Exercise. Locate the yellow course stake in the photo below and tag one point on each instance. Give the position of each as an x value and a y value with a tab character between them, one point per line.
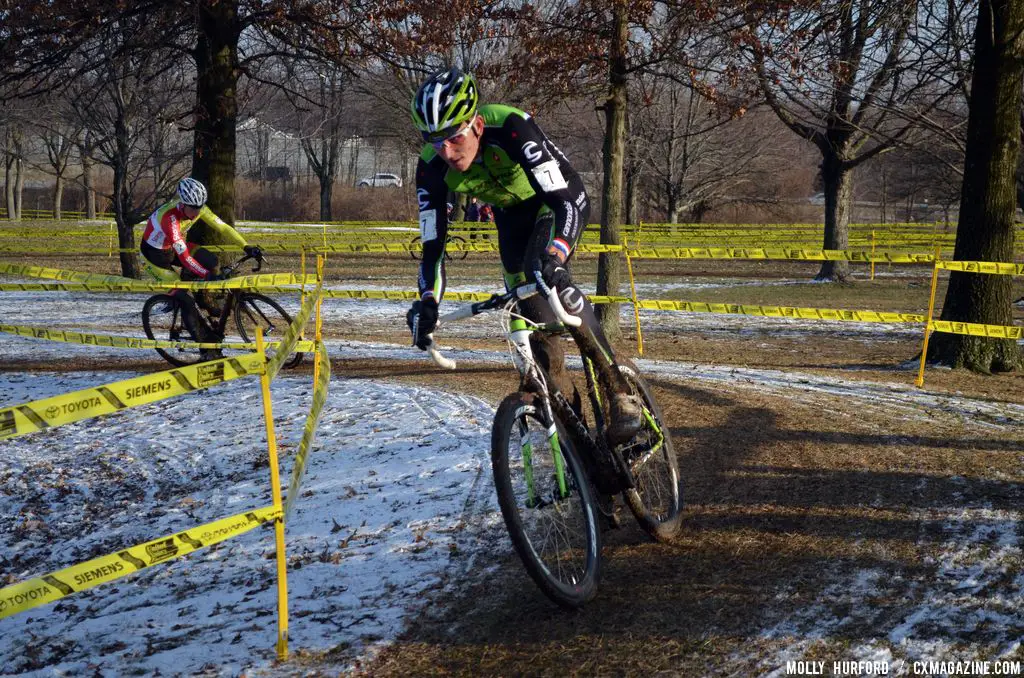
928	322
317	336
275	484
636	306
872	255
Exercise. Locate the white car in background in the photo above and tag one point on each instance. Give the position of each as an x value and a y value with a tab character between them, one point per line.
380	179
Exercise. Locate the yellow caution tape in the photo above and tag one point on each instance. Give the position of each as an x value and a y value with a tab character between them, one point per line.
654	252
116	283
309	431
982	267
139	287
396	295
126	342
783	311
978	330
101	400
776	253
664	305
292	334
56	585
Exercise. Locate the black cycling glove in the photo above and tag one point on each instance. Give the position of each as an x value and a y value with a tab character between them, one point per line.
422	319
552	272
254	252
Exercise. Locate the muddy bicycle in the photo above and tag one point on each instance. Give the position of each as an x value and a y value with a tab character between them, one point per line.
555	474
163	318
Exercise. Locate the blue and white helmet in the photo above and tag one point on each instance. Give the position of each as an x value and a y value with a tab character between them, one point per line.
191	192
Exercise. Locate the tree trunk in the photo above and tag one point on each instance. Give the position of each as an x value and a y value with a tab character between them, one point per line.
12	210
58	196
838	193
326	184
125	233
609	267
631	194
213	156
19	187
88	182
987	198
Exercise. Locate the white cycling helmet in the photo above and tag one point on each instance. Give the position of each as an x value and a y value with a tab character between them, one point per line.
191	192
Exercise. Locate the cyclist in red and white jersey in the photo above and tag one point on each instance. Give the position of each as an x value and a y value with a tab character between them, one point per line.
163	242
164	247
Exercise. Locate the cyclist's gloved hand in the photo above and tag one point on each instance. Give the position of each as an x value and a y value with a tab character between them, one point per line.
552	271
422	319
253	251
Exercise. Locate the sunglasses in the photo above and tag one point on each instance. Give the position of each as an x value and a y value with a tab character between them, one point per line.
455	139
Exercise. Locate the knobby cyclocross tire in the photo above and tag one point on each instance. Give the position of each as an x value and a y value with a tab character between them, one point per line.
657	499
253	309
555	534
163	320
416	254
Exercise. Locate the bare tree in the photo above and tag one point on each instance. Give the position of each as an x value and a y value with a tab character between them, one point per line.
317	96
853	77
14	167
594	49
131	106
695	158
40	37
59	139
87	156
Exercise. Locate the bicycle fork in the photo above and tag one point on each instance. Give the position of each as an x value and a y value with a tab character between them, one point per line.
523	356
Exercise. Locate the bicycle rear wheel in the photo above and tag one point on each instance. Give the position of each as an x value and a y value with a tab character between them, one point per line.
414	250
163	320
459	254
656	500
553	524
256	310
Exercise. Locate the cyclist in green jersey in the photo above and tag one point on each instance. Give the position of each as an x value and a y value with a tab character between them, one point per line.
499	154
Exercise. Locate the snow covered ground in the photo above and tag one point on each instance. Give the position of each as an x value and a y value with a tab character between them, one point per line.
397	496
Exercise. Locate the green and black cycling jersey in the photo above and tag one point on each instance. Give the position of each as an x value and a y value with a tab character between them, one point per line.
539	199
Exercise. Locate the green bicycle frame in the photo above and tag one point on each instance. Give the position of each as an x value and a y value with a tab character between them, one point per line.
517	324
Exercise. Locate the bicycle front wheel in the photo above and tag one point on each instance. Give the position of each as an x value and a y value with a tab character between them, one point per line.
256	310
546	501
415	250
656	500
163	319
